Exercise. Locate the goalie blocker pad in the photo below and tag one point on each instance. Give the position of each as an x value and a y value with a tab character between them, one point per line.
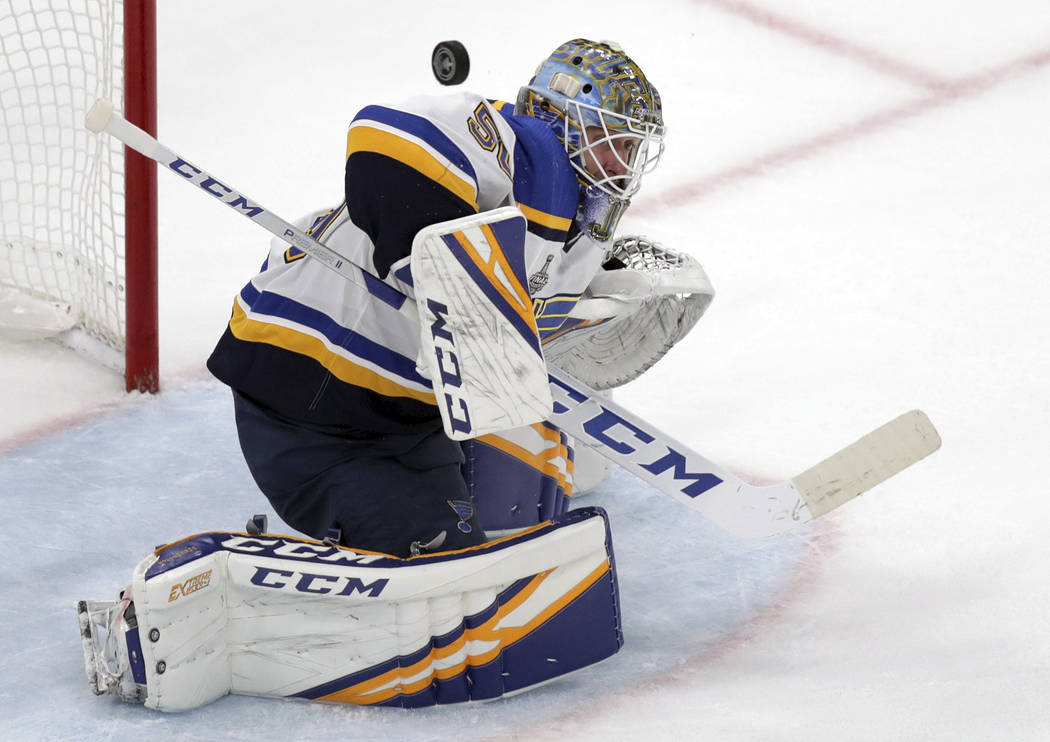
479	341
275	616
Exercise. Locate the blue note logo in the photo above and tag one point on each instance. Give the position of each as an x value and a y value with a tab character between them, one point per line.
464	509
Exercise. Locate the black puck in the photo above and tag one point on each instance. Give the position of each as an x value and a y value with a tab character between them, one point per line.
450	62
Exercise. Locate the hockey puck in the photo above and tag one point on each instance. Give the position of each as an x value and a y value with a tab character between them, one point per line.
450	62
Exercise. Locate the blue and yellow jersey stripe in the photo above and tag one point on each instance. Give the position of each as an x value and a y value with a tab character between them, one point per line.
551	313
406	168
286	324
549	226
545	185
417	143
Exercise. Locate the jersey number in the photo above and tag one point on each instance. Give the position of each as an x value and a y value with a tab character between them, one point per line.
483	129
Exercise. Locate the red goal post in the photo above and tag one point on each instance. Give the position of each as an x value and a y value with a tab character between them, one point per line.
141	370
79	217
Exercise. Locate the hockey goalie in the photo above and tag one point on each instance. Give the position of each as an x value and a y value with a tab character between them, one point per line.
269	615
401	424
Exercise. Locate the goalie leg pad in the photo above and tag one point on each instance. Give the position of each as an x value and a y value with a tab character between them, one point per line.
268	615
519	477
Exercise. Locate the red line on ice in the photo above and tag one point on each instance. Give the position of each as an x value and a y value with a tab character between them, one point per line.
870	58
64	423
823	540
961	89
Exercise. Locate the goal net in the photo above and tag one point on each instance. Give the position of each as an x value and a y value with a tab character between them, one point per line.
75	250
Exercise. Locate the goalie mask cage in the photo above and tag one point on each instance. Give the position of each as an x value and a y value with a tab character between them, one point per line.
79	211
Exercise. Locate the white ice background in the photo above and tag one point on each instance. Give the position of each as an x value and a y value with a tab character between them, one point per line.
868	186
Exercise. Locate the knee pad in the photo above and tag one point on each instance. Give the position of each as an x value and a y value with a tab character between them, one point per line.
519	477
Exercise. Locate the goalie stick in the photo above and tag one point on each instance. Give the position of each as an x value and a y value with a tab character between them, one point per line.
743	509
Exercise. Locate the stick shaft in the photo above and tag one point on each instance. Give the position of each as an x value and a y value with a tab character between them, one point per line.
740	508
102	117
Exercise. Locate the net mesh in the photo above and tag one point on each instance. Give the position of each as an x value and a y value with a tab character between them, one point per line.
62	187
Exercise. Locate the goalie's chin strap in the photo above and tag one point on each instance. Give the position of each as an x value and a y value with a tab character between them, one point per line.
601	214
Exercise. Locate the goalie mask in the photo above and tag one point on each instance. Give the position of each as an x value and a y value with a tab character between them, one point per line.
609	117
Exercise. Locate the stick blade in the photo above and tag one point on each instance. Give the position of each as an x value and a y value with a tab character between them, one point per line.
98	117
873	459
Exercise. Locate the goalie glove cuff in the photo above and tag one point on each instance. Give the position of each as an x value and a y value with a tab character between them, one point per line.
632	315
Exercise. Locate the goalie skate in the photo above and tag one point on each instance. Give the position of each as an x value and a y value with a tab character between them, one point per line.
112	654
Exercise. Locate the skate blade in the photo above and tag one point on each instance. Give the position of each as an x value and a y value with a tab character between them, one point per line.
89	614
105	674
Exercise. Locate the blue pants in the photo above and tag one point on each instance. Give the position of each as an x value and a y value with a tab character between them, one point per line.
383	494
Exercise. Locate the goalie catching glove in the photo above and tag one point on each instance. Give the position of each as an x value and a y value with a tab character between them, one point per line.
646	300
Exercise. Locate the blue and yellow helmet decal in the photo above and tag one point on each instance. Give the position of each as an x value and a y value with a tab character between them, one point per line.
599	75
586	85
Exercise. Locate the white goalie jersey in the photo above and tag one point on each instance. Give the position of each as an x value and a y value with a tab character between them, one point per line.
311	347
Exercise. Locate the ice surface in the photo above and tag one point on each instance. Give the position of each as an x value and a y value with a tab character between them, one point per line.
867	188
164	469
